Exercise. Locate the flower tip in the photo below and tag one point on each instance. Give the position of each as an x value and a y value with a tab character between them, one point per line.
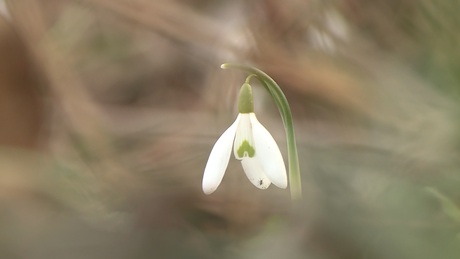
283	186
208	191
209	186
279	180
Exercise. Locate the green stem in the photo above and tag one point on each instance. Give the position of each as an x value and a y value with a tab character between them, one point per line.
285	111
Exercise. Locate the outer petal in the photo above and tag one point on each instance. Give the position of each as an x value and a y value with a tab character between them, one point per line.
269	154
255	173
218	159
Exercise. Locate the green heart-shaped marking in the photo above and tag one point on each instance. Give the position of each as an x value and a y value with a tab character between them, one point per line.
245	149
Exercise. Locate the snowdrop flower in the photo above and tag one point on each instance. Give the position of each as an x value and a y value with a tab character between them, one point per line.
252	144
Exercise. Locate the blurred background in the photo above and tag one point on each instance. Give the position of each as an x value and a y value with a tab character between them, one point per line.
110	108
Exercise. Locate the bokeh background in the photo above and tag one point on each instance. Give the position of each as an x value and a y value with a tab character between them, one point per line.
109	109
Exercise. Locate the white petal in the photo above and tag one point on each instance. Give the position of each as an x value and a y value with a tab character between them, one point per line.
255	173
244	142
268	153
218	159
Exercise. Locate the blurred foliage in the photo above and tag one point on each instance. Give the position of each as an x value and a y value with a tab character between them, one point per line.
131	100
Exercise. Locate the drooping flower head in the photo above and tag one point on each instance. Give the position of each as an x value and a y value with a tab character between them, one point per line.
252	144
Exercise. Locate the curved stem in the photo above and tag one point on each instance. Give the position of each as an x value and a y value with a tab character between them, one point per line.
283	106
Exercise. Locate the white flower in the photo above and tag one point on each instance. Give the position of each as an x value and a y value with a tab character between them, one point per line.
254	146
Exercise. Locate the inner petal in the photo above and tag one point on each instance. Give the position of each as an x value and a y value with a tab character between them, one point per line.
244	141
